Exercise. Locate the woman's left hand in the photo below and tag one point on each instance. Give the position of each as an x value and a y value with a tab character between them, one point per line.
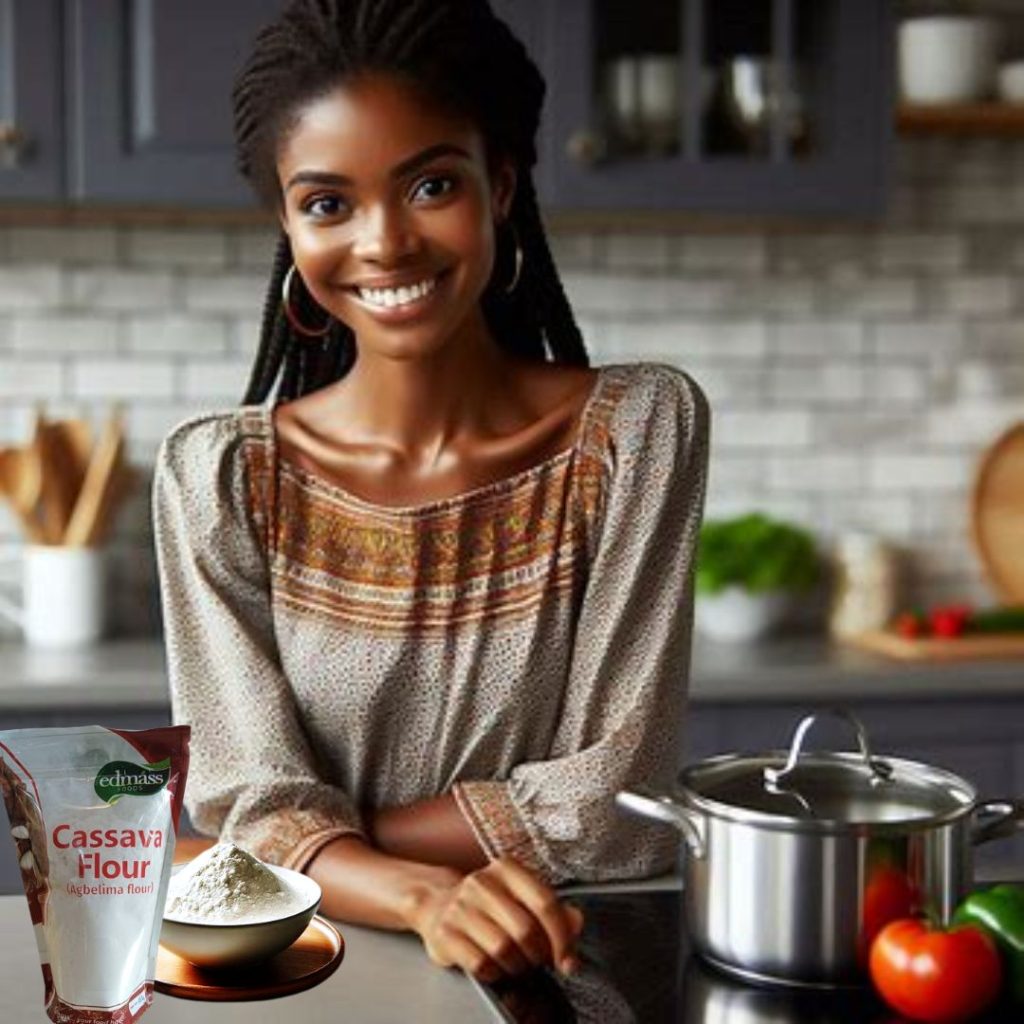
499	920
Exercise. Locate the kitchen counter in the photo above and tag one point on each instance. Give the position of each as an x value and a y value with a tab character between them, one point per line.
802	667
384	979
638	968
132	674
117	674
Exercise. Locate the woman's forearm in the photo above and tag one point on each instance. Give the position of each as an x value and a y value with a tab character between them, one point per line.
416	851
430	831
363	885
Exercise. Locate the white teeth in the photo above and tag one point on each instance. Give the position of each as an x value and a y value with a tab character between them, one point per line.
388	297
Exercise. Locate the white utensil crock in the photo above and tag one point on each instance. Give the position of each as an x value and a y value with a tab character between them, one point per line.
62	598
947	59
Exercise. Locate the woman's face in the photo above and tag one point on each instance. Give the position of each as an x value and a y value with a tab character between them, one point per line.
390	210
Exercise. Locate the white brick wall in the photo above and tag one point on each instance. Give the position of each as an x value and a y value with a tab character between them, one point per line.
856	374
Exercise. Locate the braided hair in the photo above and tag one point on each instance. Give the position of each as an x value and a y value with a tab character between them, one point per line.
468	61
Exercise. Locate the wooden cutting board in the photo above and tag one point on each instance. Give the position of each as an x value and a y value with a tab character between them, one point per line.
993	646
997	514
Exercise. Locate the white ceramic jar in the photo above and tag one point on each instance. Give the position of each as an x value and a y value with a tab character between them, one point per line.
866	584
62	595
948	59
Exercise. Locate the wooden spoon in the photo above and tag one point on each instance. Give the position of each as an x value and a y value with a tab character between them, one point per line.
64	453
31	475
91	515
19	483
10	488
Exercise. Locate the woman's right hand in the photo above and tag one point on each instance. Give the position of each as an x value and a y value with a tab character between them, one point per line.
498	920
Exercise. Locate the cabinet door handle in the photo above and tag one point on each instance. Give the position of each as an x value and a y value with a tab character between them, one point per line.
13	145
587	147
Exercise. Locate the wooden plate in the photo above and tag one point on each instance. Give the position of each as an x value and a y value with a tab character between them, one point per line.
997	514
312	957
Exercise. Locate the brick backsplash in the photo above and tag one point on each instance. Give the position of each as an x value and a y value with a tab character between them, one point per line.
855	373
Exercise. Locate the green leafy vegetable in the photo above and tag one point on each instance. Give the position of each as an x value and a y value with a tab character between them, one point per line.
756	553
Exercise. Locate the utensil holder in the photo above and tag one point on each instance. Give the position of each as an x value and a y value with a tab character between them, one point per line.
62	595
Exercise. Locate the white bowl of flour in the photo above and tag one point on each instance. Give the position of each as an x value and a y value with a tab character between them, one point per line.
226	908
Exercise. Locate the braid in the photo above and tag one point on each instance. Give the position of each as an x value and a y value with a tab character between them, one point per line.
561	330
273	340
465	58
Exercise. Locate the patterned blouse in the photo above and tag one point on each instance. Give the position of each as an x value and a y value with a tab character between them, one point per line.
523	646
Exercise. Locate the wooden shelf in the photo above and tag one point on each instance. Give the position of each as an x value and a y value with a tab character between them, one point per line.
992	120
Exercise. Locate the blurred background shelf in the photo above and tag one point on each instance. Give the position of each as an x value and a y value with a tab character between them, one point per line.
993	120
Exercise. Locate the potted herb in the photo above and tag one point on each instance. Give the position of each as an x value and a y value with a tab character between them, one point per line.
748	569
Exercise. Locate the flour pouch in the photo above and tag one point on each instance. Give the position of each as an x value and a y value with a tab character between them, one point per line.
94	814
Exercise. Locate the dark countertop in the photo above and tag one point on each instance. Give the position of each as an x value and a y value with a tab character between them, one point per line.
639	968
132	674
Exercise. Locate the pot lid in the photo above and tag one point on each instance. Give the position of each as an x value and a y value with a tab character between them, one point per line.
833	790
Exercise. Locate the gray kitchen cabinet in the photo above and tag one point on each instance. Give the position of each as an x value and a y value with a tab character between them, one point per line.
150	121
736	106
150	91
31	136
127	102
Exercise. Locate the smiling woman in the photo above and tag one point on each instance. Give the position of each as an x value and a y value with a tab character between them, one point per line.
429	609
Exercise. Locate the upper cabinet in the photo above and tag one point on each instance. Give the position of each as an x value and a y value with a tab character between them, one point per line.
759	107
31	138
742	106
150	98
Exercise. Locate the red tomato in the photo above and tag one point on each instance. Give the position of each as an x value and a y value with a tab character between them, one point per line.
930	974
950	620
888	896
909	624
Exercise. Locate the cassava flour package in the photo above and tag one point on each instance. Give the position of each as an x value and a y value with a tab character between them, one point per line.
93	815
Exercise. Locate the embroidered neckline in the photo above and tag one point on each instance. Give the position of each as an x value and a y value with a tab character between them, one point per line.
282	464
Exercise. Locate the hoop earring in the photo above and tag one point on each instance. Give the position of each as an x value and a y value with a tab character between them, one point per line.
511	287
297	325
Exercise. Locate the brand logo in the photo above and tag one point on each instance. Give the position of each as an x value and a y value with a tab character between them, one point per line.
122	778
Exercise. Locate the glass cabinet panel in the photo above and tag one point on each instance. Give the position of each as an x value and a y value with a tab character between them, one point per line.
637	76
734	105
706	78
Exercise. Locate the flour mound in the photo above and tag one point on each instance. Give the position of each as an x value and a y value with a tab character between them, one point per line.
226	885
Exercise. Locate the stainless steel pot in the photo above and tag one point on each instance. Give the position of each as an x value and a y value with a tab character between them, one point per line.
795	860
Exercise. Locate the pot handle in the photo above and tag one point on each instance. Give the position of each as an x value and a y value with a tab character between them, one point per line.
1004	818
881	771
665	808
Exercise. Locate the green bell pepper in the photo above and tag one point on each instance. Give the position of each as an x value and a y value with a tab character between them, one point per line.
1000	912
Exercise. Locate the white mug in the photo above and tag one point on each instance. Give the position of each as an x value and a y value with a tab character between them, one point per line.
947	59
62	600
